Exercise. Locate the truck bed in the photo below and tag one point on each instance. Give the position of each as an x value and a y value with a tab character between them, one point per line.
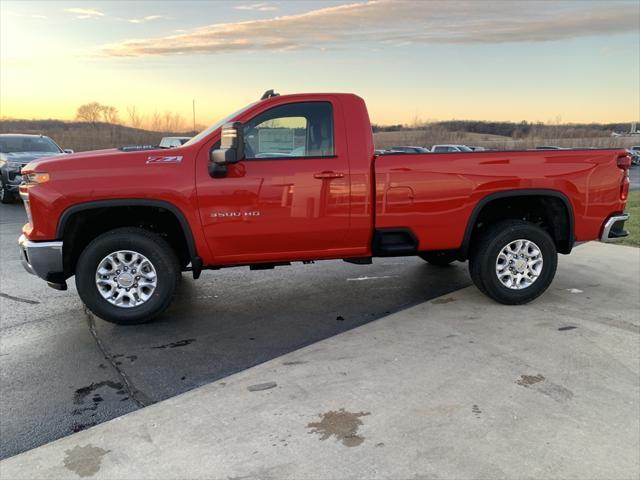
436	193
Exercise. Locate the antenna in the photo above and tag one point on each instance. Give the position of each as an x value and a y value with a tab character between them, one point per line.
269	94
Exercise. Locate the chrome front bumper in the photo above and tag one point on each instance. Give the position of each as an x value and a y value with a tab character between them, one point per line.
613	229
43	259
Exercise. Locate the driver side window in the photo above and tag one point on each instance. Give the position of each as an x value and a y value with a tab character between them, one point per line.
294	130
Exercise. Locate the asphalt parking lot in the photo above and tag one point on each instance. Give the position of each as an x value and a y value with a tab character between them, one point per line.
62	371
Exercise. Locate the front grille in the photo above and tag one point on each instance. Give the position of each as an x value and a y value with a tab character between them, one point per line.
14	176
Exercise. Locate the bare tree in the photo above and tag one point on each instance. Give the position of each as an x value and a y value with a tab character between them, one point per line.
110	114
89	112
135	119
156	122
167	121
178	123
172	122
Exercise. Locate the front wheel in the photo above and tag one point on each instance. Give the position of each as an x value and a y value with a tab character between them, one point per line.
127	276
5	195
513	262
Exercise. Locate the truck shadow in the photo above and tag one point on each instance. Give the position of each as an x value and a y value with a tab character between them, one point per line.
233	319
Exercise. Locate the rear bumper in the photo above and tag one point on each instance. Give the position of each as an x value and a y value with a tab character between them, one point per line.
613	229
43	259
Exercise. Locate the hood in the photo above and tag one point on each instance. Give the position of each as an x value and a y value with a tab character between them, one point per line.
26	157
72	157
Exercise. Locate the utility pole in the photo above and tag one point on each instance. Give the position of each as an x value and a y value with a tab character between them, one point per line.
194	115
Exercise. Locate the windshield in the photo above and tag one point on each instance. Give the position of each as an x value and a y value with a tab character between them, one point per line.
464	148
28	144
217	125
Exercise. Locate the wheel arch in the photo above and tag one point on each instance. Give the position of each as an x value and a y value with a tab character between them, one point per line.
68	216
564	244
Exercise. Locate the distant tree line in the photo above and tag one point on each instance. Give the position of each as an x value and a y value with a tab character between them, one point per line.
510	129
167	121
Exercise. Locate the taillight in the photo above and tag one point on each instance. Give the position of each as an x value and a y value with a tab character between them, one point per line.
624	163
624	188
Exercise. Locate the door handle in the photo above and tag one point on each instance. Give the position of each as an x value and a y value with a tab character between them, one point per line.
328	174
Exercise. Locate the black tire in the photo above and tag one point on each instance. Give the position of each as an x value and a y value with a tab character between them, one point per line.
482	262
152	246
5	195
438	258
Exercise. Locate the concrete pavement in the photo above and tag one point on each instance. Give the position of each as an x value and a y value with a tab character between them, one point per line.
456	387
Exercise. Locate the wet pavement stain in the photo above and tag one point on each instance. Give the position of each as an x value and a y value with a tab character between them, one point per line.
545	387
84	461
179	343
564	329
557	392
131	358
527	380
440	301
262	386
341	424
18	299
81	393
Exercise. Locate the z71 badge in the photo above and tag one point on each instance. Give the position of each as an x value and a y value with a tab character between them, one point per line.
168	159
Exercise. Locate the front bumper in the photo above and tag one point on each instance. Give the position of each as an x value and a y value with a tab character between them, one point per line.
12	187
12	179
43	259
613	229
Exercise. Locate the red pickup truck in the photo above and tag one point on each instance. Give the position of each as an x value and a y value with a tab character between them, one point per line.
295	178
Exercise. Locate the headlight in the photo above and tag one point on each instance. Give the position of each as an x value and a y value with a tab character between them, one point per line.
34	178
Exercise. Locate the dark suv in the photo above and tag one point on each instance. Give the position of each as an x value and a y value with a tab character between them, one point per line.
16	150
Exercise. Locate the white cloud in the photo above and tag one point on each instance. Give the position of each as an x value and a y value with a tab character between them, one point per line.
83	13
257	7
398	23
148	18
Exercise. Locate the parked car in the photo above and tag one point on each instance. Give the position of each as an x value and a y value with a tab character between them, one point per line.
478	149
408	149
450	148
549	147
635	154
126	223
173	142
16	150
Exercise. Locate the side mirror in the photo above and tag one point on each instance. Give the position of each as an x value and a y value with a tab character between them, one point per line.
231	149
68	150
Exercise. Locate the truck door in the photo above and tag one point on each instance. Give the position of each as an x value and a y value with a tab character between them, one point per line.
289	197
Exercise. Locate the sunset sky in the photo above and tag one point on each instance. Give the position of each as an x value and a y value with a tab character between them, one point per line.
575	61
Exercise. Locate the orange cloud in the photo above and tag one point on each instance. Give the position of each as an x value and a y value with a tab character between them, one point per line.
398	22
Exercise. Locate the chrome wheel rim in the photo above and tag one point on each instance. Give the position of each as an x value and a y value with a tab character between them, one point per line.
126	279
519	264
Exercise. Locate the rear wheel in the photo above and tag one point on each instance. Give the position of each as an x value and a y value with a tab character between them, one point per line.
127	276
513	262
438	258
